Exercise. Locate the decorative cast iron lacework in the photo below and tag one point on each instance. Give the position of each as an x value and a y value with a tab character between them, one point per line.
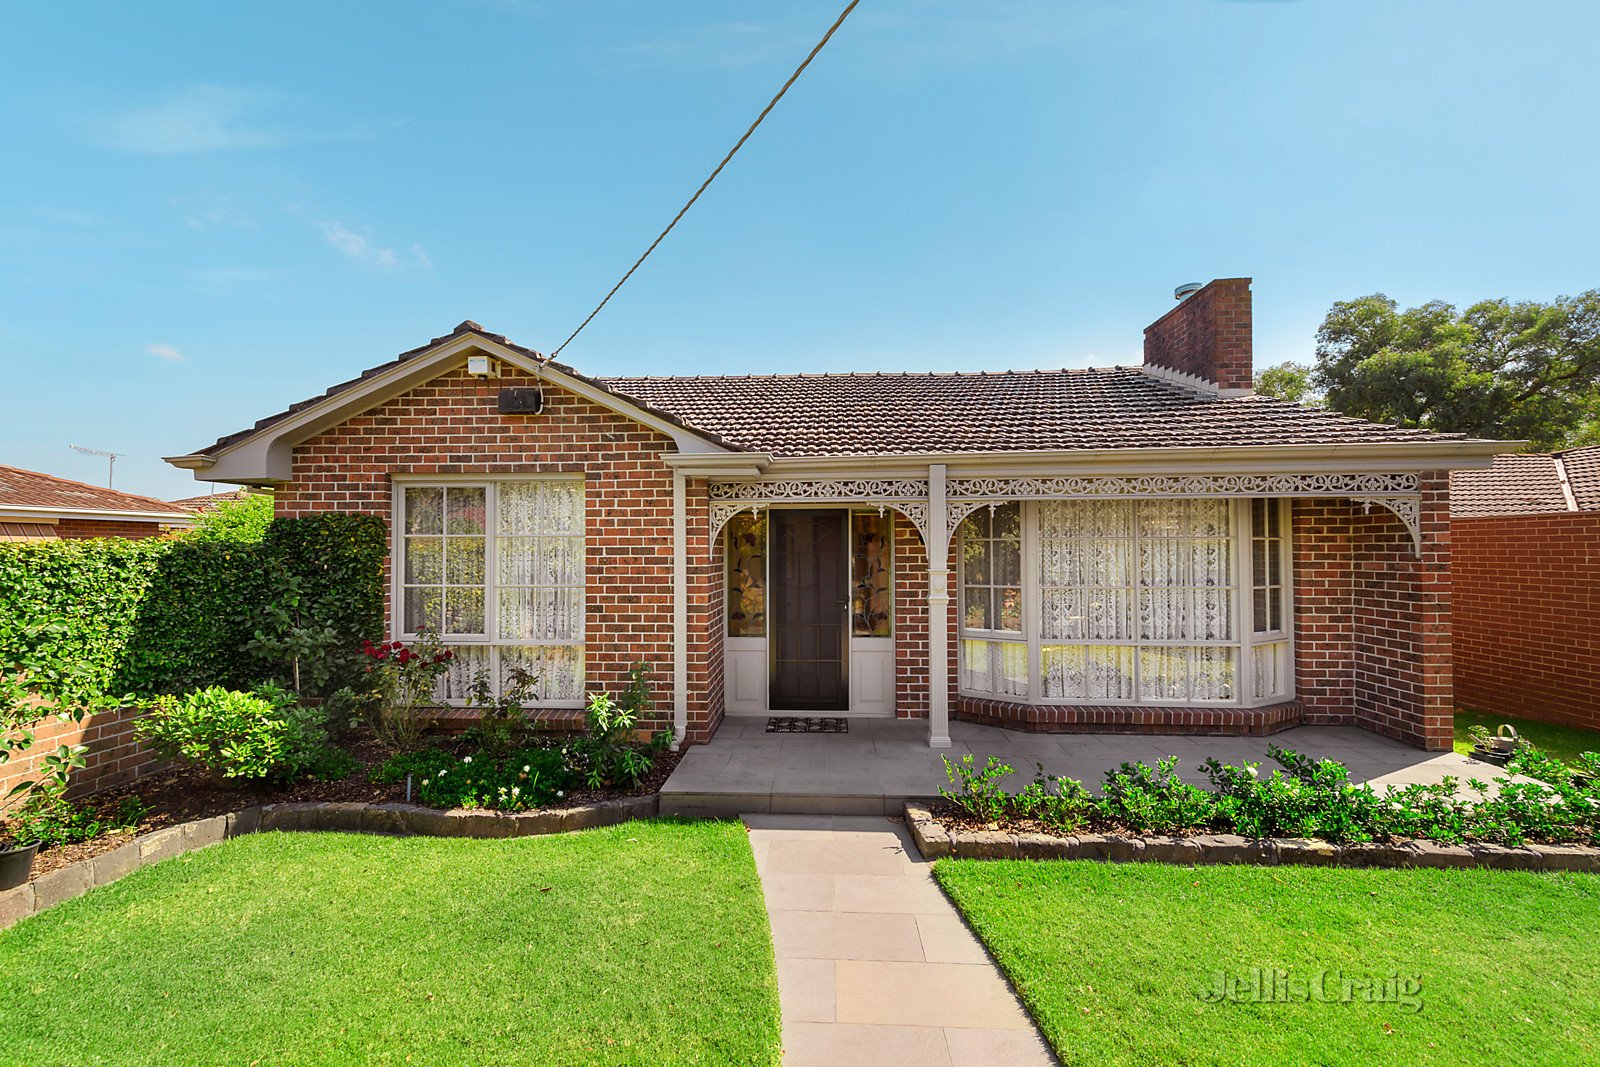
964	495
967	495
909	496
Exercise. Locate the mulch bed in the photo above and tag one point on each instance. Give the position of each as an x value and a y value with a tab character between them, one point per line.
183	794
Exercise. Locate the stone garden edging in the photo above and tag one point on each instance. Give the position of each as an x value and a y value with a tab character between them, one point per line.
935	840
400	820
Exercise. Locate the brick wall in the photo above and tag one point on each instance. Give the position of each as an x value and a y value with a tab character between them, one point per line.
1207	335
451	425
114	758
910	621
80	529
1372	619
1527	616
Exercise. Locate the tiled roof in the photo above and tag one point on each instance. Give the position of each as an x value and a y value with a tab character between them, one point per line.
1121	407
20	488
209	501
1582	466
863	414
1528	483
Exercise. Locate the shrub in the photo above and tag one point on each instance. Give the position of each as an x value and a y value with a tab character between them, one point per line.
237	735
978	792
528	778
402	680
170	615
1154	800
1060	803
243	520
503	723
609	753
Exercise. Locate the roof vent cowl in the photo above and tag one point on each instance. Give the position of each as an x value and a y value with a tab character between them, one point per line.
1186	290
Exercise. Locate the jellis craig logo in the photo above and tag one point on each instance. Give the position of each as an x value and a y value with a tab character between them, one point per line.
1279	985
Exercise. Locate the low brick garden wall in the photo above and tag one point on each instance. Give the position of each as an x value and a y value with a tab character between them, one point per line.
935	840
393	819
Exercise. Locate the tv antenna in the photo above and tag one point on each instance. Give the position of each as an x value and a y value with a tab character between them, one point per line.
111	459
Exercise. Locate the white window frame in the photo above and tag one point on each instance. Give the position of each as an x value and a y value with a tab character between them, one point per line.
490	638
1244	643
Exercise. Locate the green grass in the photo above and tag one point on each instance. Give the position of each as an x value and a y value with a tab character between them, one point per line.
643	943
1111	959
1563	742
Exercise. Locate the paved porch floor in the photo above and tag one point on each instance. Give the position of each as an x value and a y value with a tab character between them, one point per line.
881	763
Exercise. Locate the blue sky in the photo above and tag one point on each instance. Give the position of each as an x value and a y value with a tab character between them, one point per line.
209	211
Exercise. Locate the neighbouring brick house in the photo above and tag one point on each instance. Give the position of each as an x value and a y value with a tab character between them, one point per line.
1527	586
1142	548
42	507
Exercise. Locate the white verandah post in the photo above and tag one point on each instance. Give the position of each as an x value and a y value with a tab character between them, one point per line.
938	612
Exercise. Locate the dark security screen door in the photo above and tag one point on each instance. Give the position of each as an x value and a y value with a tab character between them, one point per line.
810	600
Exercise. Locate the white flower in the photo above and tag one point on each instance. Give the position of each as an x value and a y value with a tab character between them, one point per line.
466	759
560	793
425	783
524	768
1253	772
442	774
516	790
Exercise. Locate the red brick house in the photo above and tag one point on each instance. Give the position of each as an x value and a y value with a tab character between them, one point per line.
1527	586
1141	548
42	507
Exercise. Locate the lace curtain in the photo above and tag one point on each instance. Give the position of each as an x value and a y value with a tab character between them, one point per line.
532	615
1136	600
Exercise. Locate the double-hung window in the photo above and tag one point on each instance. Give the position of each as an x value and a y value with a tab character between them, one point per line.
496	568
1171	602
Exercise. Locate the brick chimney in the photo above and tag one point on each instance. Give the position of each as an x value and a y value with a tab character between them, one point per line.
1207	336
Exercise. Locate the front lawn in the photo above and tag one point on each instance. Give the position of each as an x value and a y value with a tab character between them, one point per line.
640	943
1563	742
1113	959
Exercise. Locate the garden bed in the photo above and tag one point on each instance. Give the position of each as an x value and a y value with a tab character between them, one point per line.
184	794
944	831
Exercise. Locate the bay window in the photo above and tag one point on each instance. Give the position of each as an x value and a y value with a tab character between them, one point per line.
497	570
1126	602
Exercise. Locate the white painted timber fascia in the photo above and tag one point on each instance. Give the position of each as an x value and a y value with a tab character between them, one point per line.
266	456
41	514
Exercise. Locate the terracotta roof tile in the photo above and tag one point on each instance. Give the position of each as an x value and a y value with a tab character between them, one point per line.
1583	476
1121	407
851	414
22	488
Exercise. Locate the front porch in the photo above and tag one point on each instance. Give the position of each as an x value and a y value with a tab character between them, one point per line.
881	763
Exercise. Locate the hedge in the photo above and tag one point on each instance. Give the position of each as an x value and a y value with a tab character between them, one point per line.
174	614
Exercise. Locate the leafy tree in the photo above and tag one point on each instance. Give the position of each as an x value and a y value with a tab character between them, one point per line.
1498	369
245	519
1289	381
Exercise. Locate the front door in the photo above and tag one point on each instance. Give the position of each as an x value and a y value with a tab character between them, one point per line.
810	569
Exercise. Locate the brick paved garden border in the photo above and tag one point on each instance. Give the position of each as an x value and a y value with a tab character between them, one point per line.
935	840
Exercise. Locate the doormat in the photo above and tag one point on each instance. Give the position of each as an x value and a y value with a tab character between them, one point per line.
823	724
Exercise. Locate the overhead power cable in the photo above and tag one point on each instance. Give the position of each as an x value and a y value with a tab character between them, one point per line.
851	6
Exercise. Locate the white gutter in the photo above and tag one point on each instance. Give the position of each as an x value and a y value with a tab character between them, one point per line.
37	513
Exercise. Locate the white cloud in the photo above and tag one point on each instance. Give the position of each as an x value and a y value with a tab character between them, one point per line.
358	248
166	352
202	118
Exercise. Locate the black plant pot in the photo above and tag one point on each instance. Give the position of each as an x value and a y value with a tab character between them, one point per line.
16	864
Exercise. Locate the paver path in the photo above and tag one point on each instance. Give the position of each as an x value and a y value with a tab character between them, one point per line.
874	964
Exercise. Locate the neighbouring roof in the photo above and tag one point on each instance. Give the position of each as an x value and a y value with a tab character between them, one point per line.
930	413
48	494
209	501
1528	483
